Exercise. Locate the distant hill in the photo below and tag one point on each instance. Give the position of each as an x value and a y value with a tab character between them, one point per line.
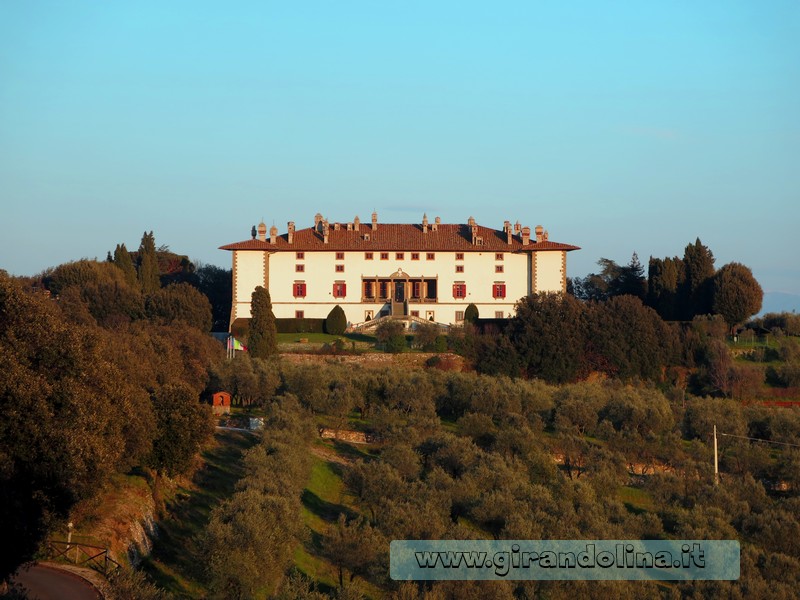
775	302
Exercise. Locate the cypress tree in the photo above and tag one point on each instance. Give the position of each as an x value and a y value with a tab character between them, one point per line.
698	287
122	259
262	340
148	264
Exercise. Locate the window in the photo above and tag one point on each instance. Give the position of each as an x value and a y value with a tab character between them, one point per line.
498	314
399	255
498	256
340	268
384	256
384	289
499	290
299	268
415	256
369	292
369	315
340	256
299	290
459	256
459	290
430	290
459	316
414	313
430	256
339	289
498	268
459	268
299	314
367	255
416	289
300	255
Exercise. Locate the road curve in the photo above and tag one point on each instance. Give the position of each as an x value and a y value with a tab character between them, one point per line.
48	583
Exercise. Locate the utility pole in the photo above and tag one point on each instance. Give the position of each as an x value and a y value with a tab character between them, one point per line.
716	461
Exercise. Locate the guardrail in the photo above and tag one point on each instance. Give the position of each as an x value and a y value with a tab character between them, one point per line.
93	557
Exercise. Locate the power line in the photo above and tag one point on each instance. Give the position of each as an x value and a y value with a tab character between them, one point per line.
744	437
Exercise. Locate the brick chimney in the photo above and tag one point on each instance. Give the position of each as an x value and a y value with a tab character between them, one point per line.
425	223
539	233
357	223
526	235
290	229
517	227
374	221
325	231
262	231
436	222
273	234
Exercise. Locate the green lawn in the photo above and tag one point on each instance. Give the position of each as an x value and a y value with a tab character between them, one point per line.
323	338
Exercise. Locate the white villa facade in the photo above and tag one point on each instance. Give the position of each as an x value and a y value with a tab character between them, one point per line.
428	270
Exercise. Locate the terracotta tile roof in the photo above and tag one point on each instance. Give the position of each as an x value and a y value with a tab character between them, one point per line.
399	237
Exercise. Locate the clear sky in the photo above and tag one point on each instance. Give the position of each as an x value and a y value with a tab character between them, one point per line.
619	126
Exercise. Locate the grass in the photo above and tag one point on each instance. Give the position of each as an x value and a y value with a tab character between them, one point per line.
175	563
636	500
323	338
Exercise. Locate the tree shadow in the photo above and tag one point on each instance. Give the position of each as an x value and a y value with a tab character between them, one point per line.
328	511
175	556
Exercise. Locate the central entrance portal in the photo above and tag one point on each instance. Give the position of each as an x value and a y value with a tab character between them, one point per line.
399	291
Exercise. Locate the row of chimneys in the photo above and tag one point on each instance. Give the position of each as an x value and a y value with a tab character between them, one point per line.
322	225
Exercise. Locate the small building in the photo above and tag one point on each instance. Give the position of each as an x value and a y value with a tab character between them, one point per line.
221	403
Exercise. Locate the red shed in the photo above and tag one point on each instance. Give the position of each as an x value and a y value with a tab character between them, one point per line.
221	403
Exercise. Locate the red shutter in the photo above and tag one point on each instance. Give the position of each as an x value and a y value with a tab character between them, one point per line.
455	291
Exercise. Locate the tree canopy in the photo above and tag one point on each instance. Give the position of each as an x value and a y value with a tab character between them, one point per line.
737	294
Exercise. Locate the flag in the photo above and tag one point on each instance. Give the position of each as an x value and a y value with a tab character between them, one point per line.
234	344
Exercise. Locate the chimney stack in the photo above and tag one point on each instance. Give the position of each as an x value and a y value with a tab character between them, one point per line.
425	223
517	227
325	231
507	229
539	233
374	221
262	231
436	222
317	221
290	229
356	223
526	235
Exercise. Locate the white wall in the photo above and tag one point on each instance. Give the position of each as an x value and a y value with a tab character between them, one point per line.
248	266
549	271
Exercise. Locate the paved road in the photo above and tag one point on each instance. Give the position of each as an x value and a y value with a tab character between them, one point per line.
47	583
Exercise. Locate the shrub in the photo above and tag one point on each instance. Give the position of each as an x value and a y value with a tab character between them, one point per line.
336	322
471	314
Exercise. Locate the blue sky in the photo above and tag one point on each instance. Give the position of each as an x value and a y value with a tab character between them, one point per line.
620	127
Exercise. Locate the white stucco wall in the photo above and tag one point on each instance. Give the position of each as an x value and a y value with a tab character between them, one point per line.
248	267
549	271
